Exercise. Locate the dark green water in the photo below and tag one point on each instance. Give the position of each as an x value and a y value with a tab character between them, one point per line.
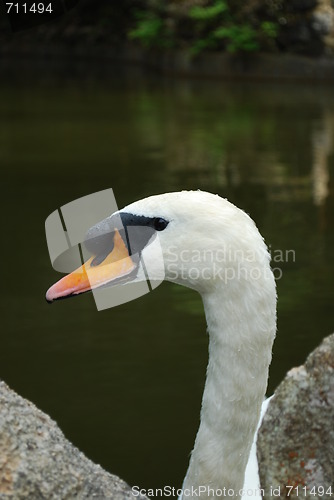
125	384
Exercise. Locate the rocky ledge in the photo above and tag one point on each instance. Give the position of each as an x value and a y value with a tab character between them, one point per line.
38	462
296	439
295	444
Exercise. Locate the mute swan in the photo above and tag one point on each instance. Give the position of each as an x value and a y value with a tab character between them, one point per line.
209	245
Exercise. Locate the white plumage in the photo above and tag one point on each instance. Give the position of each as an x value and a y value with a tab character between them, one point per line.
239	295
206	243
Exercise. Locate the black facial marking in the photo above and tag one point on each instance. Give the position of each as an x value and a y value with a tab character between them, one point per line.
100	240
141	220
135	230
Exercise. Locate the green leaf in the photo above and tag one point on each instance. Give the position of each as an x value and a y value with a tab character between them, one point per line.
238	37
210	12
269	29
148	30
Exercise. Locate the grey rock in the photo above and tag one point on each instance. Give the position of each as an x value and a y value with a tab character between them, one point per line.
38	462
322	23
296	439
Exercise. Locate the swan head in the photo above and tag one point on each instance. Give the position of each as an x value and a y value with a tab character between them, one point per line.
193	238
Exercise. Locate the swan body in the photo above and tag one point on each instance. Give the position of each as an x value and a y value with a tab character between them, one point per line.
252	486
202	241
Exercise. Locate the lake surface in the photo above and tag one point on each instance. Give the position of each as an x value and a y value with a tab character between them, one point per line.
125	384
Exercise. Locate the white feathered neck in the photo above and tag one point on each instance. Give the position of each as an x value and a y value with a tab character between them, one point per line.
239	296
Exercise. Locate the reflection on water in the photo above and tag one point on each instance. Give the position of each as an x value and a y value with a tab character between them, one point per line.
322	147
125	384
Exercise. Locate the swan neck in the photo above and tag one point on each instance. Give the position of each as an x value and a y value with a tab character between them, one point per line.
241	333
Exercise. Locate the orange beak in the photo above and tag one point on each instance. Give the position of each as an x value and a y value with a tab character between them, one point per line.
117	264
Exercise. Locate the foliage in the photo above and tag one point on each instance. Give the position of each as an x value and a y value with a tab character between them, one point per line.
269	29
208	12
239	38
244	37
214	25
149	30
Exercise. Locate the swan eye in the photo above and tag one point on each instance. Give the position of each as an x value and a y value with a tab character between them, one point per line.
160	224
